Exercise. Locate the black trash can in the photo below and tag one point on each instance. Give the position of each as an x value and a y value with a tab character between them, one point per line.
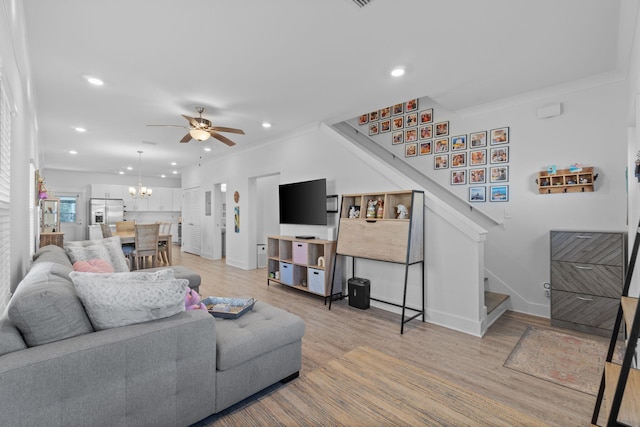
359	292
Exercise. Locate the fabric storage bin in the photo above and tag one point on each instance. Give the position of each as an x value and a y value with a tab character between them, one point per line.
316	281
286	273
300	252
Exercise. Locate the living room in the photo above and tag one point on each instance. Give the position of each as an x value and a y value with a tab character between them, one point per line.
596	127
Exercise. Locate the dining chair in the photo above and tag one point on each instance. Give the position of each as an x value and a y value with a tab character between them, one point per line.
146	245
125	227
163	254
106	231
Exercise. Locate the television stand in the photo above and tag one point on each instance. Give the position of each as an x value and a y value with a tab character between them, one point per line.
305	237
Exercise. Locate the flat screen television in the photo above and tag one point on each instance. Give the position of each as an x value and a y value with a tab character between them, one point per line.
304	202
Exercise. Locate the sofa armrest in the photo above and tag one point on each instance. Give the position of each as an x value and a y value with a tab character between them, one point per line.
154	373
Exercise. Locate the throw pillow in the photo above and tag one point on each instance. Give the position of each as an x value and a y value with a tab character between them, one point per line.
89	249
113	300
97	265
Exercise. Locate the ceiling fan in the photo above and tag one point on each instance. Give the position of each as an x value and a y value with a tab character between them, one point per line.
201	129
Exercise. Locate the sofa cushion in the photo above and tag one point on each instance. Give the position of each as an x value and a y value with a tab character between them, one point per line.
45	307
113	300
109	249
97	265
52	253
255	333
10	338
181	272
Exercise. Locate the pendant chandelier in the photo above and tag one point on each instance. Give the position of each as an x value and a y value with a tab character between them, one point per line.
140	191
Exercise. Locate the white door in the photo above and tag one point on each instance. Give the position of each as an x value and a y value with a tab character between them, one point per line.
72	212
191	212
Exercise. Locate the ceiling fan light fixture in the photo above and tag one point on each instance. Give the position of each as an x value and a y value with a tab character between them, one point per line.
199	134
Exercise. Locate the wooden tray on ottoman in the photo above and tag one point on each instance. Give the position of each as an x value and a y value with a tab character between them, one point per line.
228	308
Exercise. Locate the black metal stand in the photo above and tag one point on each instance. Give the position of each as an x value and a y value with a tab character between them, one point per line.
632	340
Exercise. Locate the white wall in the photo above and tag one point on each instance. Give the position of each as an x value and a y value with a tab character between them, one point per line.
591	130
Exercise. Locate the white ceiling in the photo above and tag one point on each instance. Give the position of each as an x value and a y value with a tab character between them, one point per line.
290	62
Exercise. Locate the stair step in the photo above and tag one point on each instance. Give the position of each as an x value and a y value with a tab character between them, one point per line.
630	408
493	299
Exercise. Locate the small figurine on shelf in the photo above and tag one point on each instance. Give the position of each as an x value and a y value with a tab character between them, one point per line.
371	209
403	212
354	212
380	212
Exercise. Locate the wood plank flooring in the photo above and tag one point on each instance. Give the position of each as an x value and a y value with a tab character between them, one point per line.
472	363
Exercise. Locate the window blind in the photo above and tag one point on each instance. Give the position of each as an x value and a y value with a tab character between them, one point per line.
5	195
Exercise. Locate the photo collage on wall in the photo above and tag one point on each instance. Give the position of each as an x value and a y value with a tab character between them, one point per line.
478	159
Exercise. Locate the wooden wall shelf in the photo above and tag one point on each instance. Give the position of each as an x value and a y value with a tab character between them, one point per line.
565	181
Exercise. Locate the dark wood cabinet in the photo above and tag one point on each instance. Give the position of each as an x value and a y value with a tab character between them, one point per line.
587	278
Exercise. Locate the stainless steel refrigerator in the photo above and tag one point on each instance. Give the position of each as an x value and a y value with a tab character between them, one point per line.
106	211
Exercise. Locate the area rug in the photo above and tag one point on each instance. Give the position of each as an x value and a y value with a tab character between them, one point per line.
366	387
561	358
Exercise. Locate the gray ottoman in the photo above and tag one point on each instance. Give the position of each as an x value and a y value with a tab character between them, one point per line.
256	350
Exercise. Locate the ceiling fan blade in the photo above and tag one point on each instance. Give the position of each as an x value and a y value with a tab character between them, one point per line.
192	121
231	130
186	138
224	139
174	126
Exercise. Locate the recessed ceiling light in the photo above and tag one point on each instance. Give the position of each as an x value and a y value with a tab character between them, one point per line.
173	163
266	125
121	172
397	72
174	172
95	81
163	176
207	148
73	152
129	168
80	130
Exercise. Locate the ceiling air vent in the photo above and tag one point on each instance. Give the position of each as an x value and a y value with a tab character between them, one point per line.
361	3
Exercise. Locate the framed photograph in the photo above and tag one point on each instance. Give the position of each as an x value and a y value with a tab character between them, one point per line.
441	162
458	160
411	135
442	145
499	193
500	155
425	148
398	109
477	157
426	132
412	105
385	113
374	116
478	139
477	194
499	174
385	125
442	128
363	119
426	116
458	142
458	177
477	176
411	120
411	150
499	136
374	128
398	123
397	137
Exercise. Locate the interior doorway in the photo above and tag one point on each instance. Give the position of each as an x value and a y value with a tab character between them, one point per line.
220	220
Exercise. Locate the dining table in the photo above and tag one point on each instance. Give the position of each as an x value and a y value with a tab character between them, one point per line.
127	237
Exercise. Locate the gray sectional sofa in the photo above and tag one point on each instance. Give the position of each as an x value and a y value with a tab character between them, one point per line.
56	370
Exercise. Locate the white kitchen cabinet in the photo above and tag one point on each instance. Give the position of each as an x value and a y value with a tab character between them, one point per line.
108	191
161	199
177	200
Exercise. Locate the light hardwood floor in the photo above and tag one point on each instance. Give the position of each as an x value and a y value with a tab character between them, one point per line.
472	362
